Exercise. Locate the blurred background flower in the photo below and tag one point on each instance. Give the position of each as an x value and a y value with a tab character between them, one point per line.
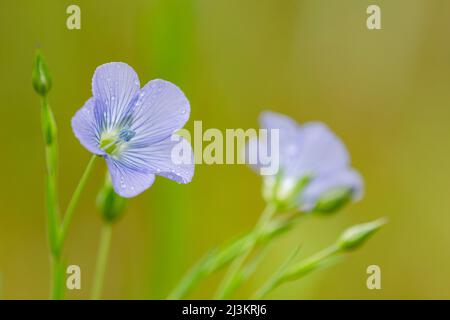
314	173
385	93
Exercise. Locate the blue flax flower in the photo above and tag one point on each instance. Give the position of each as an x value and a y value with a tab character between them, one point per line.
132	128
314	164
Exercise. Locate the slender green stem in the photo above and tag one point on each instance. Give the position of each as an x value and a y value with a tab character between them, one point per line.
230	281
57	292
224	254
102	258
74	200
297	271
57	233
48	126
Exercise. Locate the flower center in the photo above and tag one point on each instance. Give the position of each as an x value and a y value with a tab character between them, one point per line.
112	141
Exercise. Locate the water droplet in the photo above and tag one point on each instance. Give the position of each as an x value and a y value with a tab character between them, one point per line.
113	98
183	111
141	94
126	135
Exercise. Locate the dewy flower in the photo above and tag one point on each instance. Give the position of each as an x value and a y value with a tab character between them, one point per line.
315	172
133	127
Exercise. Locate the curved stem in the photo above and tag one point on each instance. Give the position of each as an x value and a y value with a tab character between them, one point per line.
74	200
102	258
298	271
57	234
222	255
230	282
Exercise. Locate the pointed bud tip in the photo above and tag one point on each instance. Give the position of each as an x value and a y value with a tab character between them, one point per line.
355	236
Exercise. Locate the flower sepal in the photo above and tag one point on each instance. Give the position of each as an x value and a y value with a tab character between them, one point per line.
284	192
333	200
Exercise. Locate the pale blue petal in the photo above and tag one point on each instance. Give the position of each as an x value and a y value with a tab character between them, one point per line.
128	182
159	158
85	128
290	138
273	120
347	178
320	152
115	86
161	109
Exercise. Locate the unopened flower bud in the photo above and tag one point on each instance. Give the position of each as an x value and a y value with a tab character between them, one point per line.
41	79
110	204
333	200
355	236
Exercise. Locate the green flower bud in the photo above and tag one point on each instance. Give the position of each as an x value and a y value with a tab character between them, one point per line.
41	79
110	204
333	200
355	236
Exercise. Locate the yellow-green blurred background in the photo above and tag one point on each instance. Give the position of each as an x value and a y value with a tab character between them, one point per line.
386	93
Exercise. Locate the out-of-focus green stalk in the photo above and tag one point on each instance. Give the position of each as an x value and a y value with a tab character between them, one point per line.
229	283
351	239
221	256
298	271
111	207
102	258
272	280
167	41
